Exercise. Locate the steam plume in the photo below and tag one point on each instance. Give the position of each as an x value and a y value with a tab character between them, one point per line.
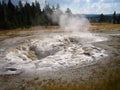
71	23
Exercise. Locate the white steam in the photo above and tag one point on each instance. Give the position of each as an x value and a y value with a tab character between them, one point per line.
75	26
71	23
74	23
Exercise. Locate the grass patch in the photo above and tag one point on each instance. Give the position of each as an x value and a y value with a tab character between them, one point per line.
111	82
105	26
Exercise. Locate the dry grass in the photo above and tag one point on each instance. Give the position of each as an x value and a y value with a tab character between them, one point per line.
6	34
103	84
105	26
111	82
94	26
30	29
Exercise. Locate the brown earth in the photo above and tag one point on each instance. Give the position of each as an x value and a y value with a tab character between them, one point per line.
105	75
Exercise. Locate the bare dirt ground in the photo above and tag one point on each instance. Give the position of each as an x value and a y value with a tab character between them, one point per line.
104	75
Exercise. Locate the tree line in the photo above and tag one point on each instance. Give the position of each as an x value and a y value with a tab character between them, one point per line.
115	18
27	15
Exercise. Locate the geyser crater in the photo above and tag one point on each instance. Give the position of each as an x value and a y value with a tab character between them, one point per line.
57	50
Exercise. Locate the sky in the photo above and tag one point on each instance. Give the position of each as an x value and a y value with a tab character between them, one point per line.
83	6
89	6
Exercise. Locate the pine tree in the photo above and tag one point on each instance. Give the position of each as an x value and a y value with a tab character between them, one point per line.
53	7
10	13
68	11
56	14
118	19
27	13
37	14
4	15
48	14
102	18
20	5
114	18
1	15
58	6
20	14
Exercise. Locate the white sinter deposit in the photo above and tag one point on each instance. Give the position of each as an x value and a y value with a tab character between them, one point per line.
55	51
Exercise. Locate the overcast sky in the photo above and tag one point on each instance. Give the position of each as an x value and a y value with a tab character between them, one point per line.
84	6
